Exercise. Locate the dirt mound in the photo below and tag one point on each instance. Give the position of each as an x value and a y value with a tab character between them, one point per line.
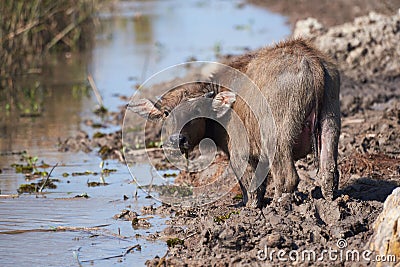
330	13
369	43
364	50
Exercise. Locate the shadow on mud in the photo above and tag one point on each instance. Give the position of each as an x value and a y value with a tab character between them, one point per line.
368	189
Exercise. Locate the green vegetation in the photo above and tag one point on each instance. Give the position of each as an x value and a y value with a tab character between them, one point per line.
30	29
100	111
108	171
238	197
154	144
29	166
223	218
35	187
98	135
166	175
217	49
95	184
84	173
104	150
175	241
31	33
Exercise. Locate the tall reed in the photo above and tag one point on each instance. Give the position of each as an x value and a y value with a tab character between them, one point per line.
30	29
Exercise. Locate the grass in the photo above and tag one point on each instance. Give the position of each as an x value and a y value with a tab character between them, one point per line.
30	29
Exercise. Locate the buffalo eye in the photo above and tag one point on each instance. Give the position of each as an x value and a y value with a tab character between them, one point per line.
166	113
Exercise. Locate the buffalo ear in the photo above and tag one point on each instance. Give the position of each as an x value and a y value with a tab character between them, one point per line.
223	102
145	108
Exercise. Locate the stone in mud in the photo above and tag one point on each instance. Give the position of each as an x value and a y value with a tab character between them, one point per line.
386	237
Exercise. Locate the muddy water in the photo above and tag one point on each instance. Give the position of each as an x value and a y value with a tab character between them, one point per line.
144	37
134	41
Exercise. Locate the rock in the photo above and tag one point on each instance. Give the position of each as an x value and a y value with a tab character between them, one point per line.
386	237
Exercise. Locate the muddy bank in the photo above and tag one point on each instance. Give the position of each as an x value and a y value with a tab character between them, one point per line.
328	12
223	234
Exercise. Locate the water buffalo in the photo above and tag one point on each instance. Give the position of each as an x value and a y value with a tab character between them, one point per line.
301	87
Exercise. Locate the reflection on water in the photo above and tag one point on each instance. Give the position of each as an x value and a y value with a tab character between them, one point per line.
37	111
141	38
135	40
44	107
